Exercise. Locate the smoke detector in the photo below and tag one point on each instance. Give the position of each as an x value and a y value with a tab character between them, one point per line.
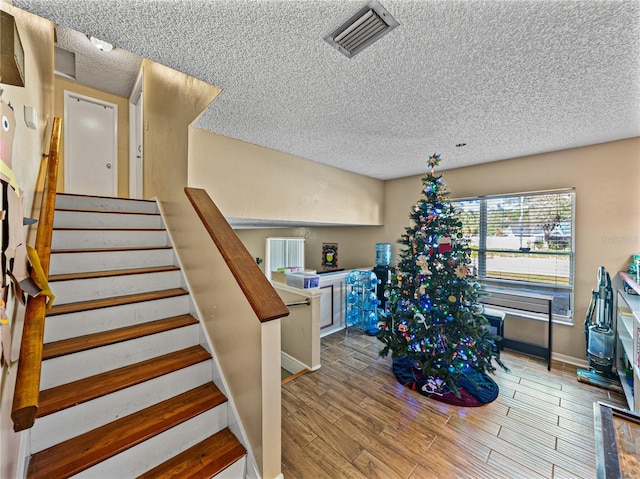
367	26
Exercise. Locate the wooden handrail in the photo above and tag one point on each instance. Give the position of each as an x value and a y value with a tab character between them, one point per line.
264	300
27	389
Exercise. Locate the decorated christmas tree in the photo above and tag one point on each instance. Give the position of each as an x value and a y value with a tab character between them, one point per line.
435	331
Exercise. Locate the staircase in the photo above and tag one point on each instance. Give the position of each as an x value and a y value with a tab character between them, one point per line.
127	379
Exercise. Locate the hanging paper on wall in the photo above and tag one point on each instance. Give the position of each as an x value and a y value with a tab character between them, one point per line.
329	256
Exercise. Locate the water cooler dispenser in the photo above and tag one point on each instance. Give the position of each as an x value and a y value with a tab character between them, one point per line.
382	270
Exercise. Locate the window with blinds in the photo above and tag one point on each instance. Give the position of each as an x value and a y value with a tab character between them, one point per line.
524	241
283	253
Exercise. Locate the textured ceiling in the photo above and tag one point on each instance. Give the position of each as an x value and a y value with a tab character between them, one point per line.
508	78
114	72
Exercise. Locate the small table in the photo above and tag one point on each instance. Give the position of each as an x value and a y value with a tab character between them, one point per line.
519	302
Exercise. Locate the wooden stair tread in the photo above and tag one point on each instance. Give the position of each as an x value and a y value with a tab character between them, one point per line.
204	460
113	336
111	273
114	301
66	395
81	452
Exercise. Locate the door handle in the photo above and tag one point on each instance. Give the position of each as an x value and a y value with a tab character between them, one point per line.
109	165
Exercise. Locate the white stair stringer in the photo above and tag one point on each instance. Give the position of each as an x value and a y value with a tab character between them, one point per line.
87	242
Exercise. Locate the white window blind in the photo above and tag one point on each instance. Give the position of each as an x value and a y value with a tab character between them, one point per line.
282	253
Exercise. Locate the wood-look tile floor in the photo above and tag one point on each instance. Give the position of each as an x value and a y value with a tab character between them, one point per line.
352	419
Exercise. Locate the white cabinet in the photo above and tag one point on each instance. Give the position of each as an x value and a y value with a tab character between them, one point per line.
332	287
332	312
627	330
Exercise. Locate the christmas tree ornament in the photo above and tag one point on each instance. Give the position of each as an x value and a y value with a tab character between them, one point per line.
462	271
434	160
444	244
424	266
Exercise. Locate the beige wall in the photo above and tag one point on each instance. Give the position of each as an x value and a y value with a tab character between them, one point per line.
300	330
248	351
607	222
172	101
605	177
250	181
62	85
356	245
29	146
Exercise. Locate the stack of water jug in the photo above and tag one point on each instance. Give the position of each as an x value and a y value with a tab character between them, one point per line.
362	301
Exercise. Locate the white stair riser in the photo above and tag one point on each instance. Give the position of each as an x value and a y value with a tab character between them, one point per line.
156	450
88	239
236	470
89	219
103	319
62	425
109	204
76	290
62	263
65	369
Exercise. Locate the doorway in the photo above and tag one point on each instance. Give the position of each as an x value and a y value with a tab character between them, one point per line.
90	144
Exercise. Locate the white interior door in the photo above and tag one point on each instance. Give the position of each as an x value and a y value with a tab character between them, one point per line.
90	146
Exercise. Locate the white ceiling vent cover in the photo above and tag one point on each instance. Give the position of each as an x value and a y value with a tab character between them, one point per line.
367	26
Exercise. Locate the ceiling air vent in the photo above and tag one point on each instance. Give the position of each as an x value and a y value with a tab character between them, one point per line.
367	26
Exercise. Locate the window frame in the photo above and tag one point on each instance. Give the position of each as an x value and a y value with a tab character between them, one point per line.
481	252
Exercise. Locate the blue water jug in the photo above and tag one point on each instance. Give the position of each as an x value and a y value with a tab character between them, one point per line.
383	254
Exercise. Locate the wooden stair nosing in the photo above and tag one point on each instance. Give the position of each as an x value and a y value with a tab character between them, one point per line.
113	336
111	273
115	301
109	250
116	212
82	390
205	459
81	452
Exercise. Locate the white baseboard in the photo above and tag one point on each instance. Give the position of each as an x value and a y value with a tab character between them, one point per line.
291	364
581	363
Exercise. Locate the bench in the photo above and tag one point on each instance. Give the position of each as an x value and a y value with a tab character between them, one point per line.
521	303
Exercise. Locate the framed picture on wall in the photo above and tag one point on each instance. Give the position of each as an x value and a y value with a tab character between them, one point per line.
329	256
